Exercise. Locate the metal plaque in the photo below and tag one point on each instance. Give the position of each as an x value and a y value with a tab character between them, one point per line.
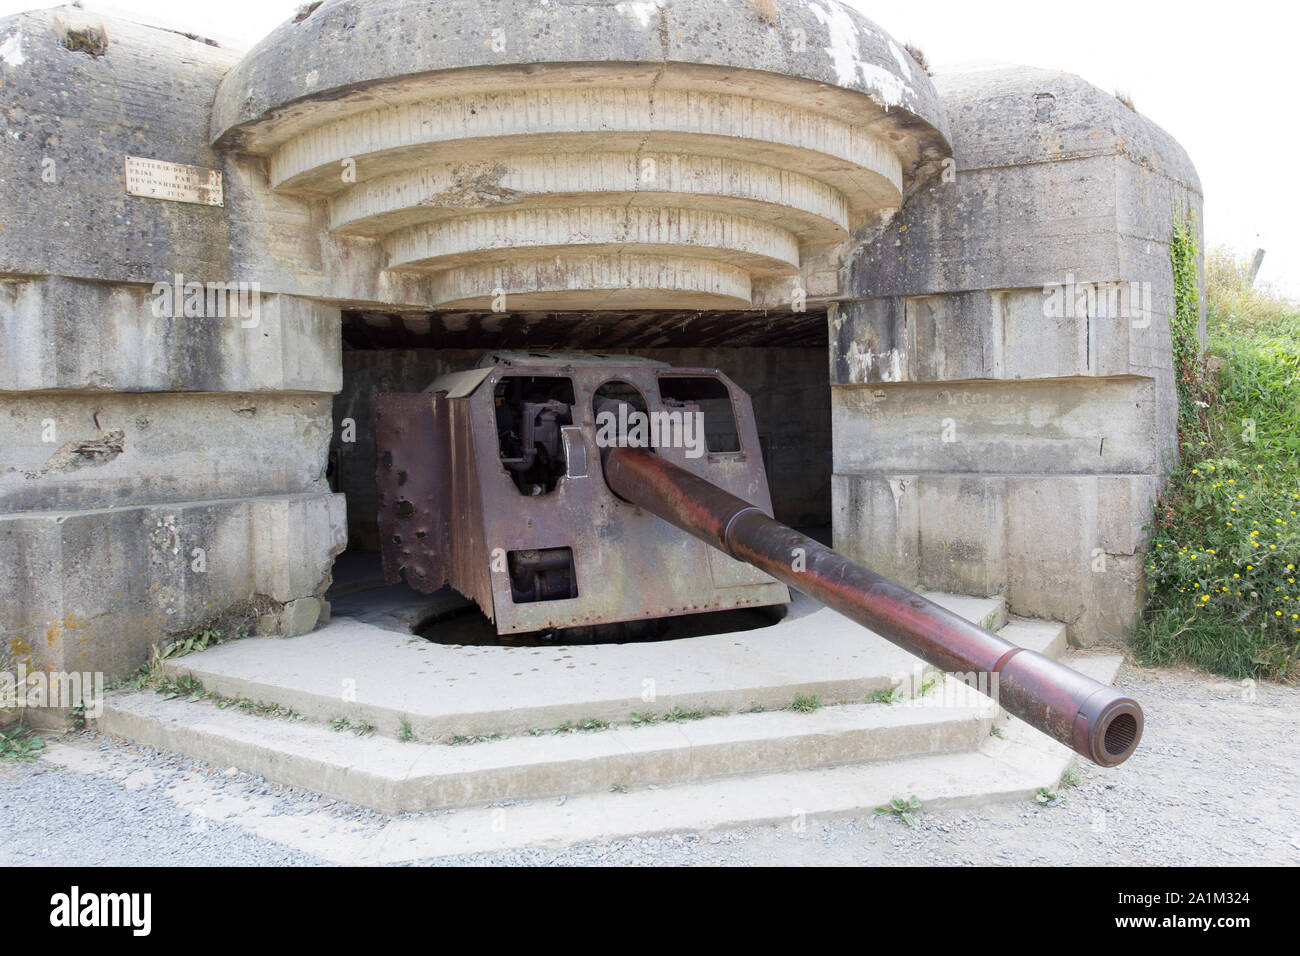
157	179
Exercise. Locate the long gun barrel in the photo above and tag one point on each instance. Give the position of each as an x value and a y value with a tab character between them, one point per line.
1090	718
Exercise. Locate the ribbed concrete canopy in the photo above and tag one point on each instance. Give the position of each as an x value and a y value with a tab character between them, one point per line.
656	154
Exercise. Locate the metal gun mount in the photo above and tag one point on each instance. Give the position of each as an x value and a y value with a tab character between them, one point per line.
496	481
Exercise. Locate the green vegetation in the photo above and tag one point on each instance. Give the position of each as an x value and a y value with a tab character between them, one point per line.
152	675
190	688
805	705
903	808
586	725
461	740
361	728
1221	570
171	688
1048	798
19	743
673	716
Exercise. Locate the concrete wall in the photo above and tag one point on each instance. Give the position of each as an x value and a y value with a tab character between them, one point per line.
158	472
788	387
987	438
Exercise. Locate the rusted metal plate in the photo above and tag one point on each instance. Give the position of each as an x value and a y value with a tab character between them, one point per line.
629	565
413	442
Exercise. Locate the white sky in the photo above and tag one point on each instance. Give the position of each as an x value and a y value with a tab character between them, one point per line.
1222	80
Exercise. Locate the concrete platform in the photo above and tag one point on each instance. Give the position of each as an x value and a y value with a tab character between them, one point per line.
397	777
366	673
533	782
1009	767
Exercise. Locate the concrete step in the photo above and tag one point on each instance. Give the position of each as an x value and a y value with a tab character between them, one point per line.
357	671
397	777
1047	637
1010	767
926	718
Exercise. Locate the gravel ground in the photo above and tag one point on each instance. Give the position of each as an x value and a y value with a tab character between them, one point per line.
1212	784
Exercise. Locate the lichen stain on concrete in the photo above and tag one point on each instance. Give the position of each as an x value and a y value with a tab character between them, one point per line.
20	649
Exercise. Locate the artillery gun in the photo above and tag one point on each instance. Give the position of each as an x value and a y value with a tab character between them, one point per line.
563	490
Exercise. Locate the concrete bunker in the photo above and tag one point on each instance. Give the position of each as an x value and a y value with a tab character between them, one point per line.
791	199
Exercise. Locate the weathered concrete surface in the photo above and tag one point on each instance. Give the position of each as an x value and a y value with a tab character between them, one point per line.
664	154
1034	427
64	452
74	117
347	48
395	777
163	468
68	334
933	735
1060	182
1058	546
1005	410
1013	767
446	690
96	589
1001	334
